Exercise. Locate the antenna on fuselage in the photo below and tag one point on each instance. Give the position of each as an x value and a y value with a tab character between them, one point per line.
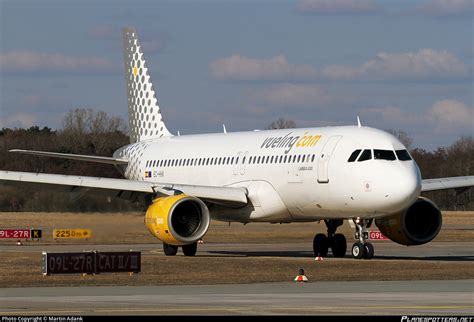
223	127
358	122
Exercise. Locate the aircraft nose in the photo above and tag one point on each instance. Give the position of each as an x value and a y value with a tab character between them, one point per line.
404	188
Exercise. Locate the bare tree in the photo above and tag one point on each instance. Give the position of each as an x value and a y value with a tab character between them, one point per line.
281	123
403	137
86	129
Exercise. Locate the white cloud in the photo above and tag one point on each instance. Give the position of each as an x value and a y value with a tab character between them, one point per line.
25	62
447	116
446	8
289	95
451	113
337	6
423	65
277	68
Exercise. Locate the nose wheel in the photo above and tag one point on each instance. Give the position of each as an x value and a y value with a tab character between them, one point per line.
362	248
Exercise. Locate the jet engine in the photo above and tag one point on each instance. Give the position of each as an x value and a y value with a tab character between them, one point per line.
178	220
417	225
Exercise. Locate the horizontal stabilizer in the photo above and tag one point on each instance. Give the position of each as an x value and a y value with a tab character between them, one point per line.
80	157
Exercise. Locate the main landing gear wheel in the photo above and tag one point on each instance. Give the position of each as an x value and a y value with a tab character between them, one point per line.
170	250
361	248
338	245
337	242
358	250
369	251
320	245
190	250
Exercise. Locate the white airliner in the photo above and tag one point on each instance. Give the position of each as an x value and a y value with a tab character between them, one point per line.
279	176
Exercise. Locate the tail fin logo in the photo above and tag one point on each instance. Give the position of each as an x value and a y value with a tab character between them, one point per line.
145	121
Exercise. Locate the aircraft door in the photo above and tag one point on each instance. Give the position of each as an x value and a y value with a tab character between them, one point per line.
326	153
236	163
244	160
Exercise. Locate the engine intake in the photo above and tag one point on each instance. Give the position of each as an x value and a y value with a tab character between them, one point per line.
417	225
178	220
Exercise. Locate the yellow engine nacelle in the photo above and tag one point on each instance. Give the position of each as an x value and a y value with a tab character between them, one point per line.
178	220
416	225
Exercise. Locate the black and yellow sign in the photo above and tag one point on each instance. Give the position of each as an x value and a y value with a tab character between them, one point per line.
35	233
72	233
92	262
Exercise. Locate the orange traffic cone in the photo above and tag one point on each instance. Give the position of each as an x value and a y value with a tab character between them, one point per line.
301	277
318	258
19	243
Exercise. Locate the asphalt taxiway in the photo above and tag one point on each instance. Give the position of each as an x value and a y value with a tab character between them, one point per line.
326	298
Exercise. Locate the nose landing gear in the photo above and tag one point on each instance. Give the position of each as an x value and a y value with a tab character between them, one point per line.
361	248
337	242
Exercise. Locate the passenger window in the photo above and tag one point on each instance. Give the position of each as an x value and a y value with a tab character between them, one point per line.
299	157
366	155
354	156
243	160
403	155
312	159
384	155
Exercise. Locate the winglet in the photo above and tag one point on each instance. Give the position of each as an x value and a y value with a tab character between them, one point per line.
223	127
358	122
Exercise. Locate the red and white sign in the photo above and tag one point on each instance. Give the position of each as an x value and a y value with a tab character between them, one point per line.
377	235
15	233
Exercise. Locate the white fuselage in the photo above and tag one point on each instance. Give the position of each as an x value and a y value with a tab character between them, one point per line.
291	174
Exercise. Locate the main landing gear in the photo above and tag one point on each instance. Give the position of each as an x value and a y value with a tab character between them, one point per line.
188	250
337	242
361	248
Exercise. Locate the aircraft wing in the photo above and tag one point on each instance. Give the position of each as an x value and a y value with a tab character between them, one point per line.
447	183
80	157
123	188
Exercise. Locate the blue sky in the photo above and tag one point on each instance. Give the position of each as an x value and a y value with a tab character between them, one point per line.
403	65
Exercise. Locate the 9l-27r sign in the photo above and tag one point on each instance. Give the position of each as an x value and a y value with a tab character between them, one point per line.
93	262
20	233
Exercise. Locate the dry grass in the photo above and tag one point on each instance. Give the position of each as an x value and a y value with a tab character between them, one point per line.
24	270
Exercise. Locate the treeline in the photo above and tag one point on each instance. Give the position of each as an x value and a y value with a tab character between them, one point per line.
84	131
88	132
455	160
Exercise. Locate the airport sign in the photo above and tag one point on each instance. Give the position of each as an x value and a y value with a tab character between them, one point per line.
72	233
20	233
92	262
377	235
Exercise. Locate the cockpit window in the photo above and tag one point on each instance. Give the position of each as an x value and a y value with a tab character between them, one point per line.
354	156
366	155
384	155
403	155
